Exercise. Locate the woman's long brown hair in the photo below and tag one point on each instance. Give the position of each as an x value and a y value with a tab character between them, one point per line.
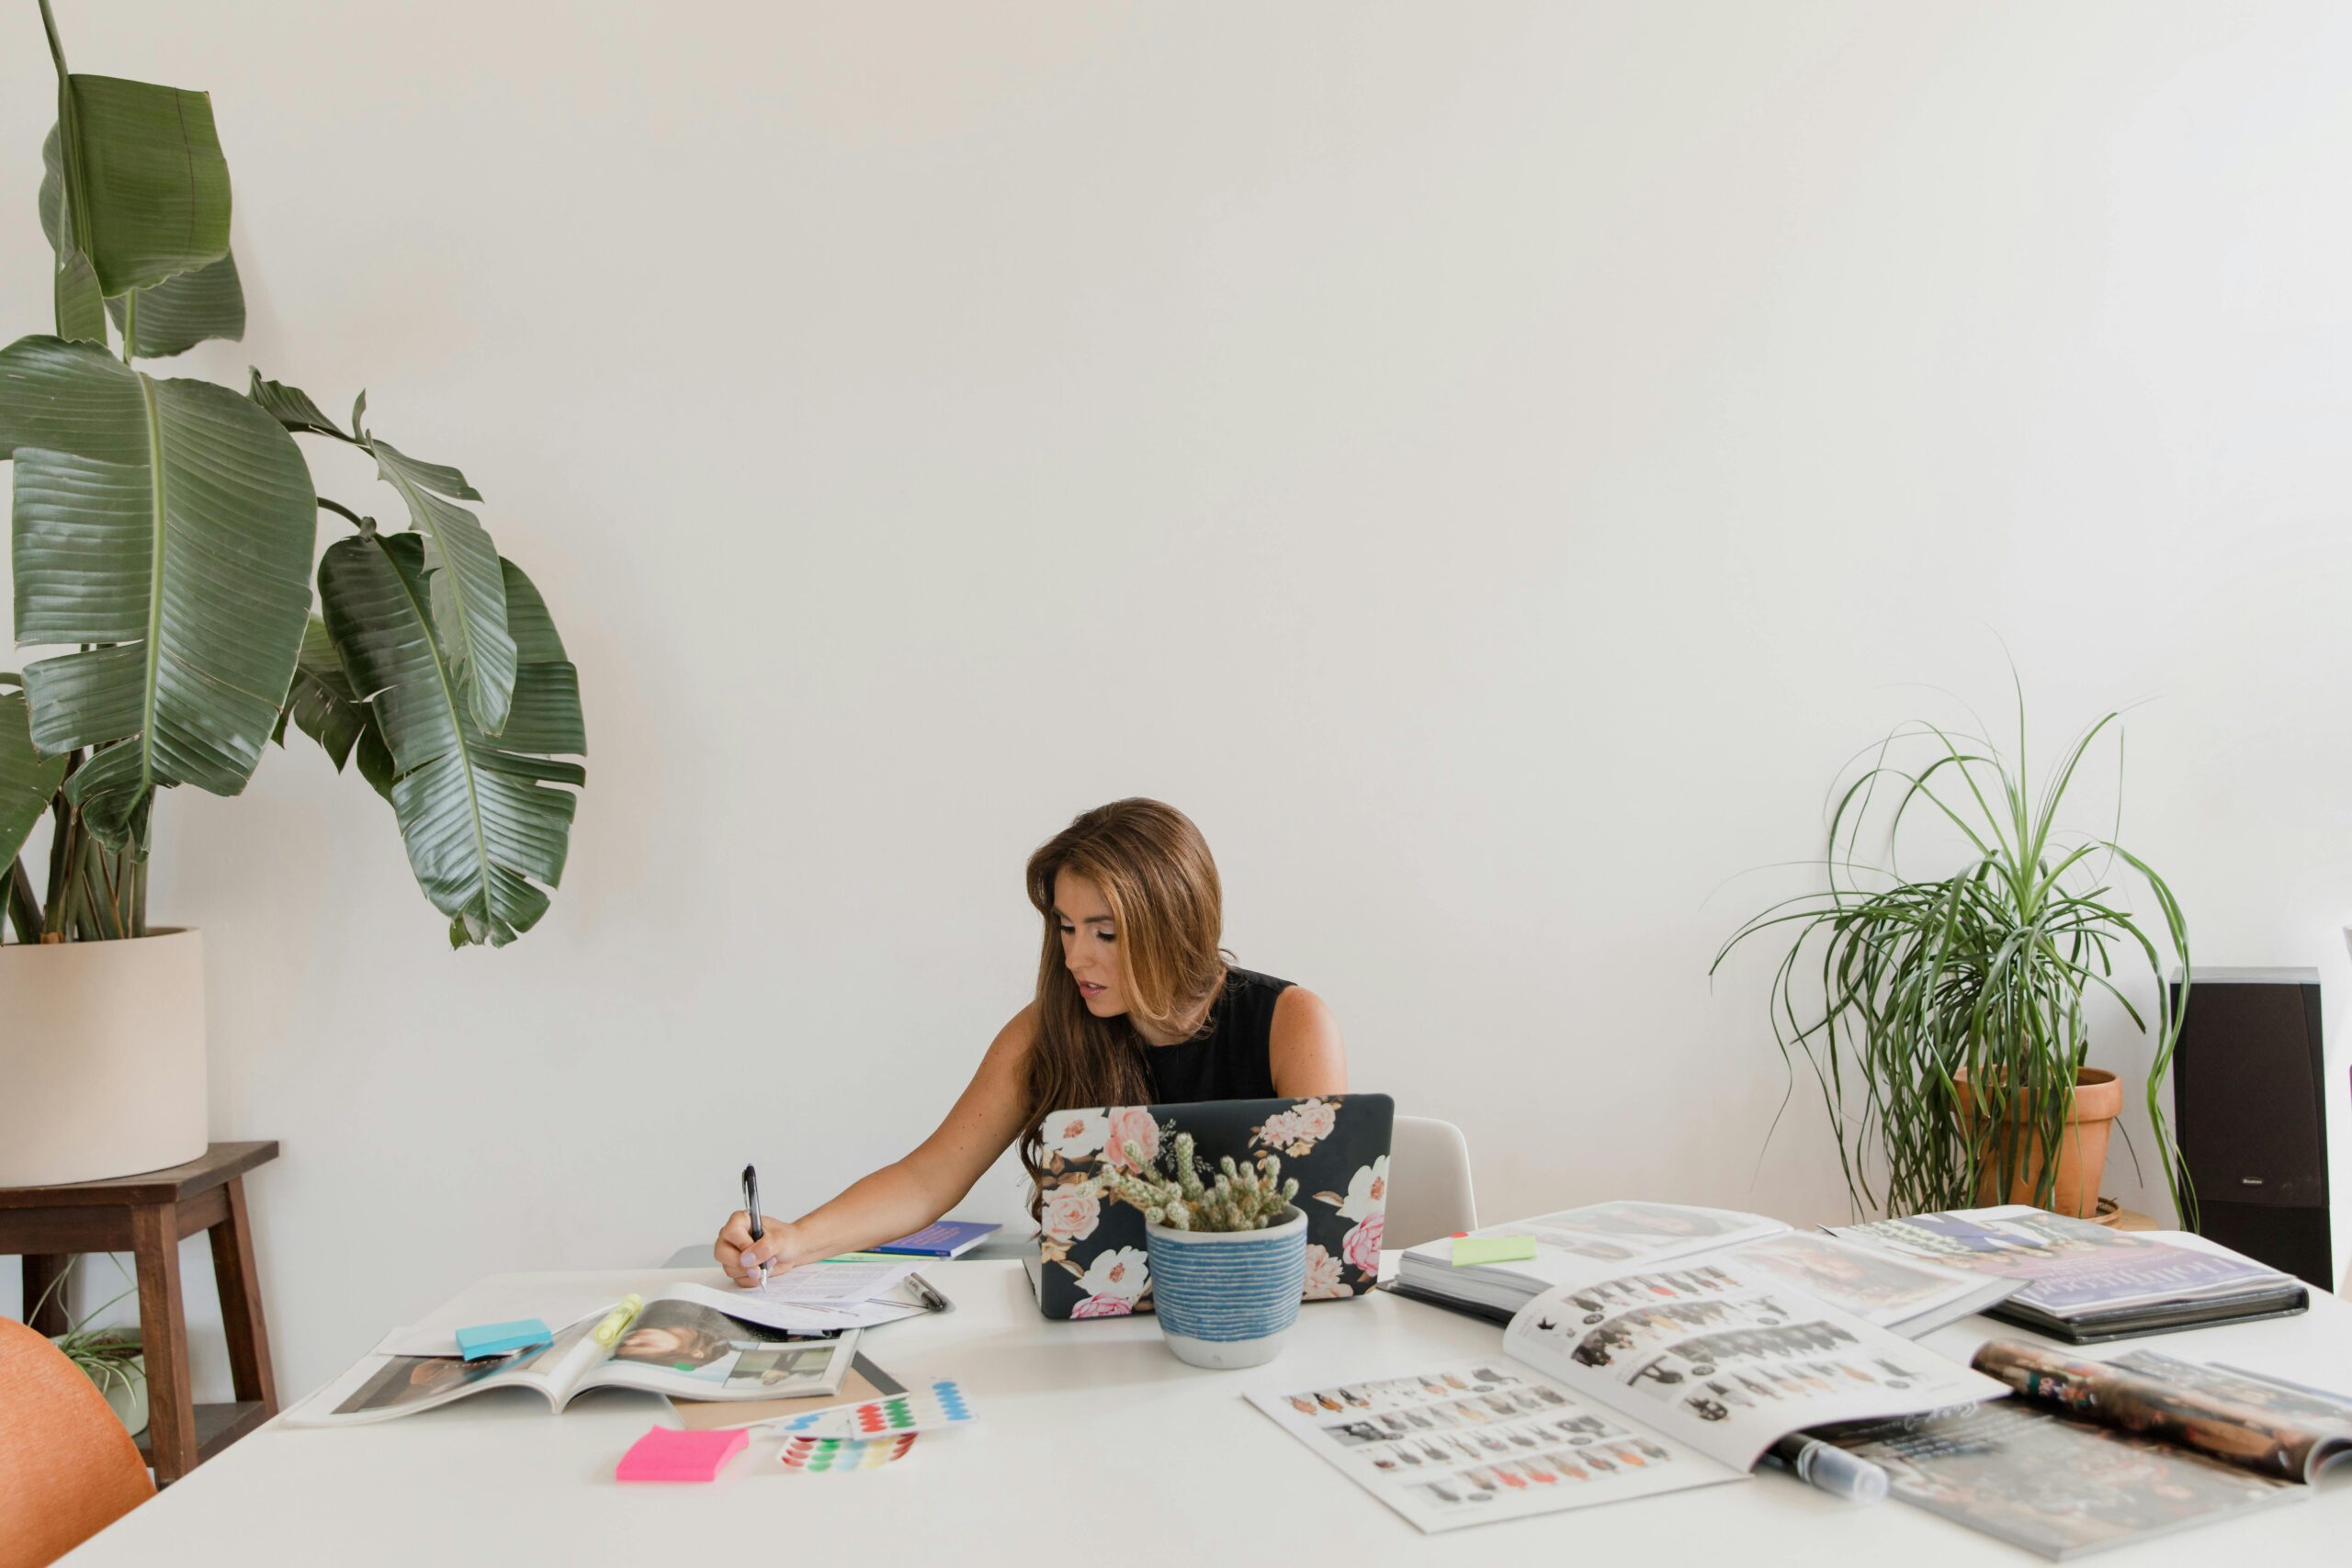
1155	872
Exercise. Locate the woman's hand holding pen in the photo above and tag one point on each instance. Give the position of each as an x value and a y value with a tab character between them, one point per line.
741	1256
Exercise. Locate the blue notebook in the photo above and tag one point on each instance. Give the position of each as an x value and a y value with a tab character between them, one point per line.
947	1238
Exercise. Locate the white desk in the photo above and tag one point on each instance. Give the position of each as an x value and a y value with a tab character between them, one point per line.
1093	1444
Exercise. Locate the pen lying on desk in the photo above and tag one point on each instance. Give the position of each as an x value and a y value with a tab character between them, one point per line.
1827	1467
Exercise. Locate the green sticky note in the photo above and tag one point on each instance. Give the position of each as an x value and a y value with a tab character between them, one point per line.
863	1257
1472	1250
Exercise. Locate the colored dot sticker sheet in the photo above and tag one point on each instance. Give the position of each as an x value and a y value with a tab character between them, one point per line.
838	1456
941	1405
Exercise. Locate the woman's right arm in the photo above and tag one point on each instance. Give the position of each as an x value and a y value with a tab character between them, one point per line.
904	1196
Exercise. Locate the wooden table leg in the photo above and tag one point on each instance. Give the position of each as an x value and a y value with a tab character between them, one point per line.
240	1314
41	1270
163	1326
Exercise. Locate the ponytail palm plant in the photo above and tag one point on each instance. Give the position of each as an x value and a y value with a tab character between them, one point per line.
163	533
1894	986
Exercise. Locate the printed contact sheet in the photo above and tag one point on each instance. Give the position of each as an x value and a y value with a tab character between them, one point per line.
1729	1358
1472	1441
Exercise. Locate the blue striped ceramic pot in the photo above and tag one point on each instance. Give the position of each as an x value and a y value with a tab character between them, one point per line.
1225	1298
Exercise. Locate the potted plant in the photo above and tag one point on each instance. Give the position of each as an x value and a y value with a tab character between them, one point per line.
111	1356
1228	1258
163	533
1946	1018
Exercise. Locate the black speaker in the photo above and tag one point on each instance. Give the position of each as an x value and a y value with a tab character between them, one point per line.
2249	1097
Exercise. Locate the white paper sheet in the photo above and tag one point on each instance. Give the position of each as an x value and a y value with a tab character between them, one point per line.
835	1281
797	1317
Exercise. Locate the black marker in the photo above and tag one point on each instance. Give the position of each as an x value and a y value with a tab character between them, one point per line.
752	1208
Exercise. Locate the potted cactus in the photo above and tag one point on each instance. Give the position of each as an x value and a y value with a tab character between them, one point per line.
1229	1256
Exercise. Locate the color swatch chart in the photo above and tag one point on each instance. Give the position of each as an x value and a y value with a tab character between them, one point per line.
924	1410
837	1456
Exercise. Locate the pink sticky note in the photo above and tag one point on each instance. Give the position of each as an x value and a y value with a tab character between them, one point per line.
665	1454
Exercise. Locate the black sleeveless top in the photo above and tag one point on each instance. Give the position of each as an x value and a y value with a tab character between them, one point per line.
1227	1059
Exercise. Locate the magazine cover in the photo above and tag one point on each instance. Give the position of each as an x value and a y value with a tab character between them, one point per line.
2074	1275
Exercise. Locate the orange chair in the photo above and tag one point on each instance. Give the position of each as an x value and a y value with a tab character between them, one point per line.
67	1468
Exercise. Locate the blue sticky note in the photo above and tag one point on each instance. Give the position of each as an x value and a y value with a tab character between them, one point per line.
498	1338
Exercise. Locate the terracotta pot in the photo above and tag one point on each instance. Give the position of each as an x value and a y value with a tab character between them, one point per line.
101	1058
2082	1148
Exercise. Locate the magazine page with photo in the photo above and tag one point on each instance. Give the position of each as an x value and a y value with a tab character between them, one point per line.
676	1345
2273	1429
2326	1414
2097	1454
1475	1442
2049	1484
1728	1357
1911	1296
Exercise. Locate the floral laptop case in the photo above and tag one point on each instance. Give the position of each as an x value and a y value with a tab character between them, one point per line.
1090	1259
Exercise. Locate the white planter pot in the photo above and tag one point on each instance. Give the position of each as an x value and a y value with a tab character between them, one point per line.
101	1058
1228	1298
127	1396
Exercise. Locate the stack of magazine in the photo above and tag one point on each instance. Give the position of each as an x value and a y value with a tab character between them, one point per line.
1907	1294
2083	1282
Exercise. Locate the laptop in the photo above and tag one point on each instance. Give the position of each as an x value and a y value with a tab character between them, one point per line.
1088	1261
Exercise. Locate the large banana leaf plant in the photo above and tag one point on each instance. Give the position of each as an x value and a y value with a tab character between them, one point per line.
164	534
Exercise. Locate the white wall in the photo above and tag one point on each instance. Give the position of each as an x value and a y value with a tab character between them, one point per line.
1491	466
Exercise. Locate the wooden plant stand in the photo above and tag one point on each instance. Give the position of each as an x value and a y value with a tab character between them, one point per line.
148	1216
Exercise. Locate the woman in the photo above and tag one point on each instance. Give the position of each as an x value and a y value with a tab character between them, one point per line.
1135	1006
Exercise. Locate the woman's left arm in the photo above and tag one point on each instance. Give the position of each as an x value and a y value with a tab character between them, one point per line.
1304	1049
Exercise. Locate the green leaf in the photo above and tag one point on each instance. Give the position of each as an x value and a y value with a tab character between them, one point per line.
174	315
81	307
482	819
172	523
144	180
180	312
321	702
28	779
290	406
469	591
532	629
78	306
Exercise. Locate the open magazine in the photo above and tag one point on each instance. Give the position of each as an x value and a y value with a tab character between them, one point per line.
2095	1454
2084	1282
680	1345
1909	1295
1617	1383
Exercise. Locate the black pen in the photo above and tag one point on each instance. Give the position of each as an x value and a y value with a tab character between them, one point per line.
752	1208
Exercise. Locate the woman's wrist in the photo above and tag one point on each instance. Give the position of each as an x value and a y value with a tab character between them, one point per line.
792	1247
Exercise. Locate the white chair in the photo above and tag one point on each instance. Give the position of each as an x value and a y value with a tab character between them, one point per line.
1428	1183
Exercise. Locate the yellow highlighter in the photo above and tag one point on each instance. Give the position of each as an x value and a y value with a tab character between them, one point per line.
616	1321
